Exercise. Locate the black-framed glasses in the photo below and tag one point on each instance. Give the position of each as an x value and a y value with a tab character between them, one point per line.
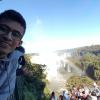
5	30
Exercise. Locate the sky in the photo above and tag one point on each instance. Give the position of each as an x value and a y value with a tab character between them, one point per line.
57	24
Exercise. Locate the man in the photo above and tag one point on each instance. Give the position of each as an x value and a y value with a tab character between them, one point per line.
12	29
53	96
65	95
96	91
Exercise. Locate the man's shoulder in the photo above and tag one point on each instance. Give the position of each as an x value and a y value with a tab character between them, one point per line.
15	55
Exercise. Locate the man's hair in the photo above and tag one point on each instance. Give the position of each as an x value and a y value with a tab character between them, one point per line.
14	15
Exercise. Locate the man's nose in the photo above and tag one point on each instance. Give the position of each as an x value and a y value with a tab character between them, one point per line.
10	35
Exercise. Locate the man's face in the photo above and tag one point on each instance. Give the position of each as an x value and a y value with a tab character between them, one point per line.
11	33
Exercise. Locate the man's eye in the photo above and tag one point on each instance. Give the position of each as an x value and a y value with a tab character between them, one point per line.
16	34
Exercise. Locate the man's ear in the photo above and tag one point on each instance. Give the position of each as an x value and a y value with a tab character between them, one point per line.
20	43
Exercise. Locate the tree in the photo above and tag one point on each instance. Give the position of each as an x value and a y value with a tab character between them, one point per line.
32	81
78	81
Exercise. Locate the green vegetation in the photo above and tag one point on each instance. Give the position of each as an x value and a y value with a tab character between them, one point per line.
31	85
77	81
88	59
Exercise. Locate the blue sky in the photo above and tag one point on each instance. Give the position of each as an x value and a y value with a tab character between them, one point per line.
58	24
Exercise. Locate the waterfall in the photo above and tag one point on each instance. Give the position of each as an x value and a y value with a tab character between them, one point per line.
54	62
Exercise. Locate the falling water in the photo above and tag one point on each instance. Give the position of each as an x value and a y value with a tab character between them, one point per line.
57	81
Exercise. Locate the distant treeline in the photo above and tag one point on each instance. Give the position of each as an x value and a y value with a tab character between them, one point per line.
94	49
